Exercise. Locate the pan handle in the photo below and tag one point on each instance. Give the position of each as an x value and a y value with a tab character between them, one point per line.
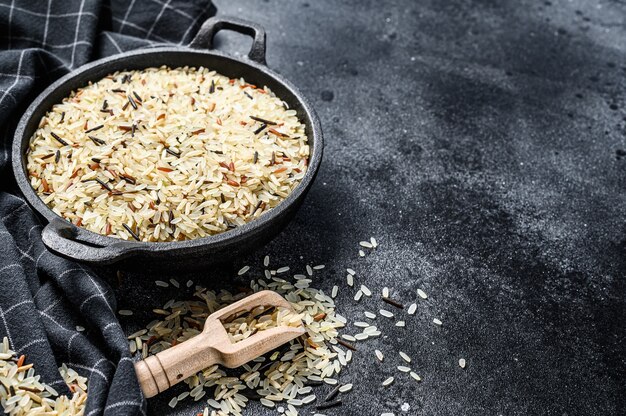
204	38
60	237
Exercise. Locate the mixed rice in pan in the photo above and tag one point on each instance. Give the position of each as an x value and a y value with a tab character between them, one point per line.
167	154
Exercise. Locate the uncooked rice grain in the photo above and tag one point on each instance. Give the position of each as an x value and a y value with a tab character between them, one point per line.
437	322
267	403
388	381
345	388
184	164
404	356
422	294
412	309
366	291
462	362
386	313
309	399
371	330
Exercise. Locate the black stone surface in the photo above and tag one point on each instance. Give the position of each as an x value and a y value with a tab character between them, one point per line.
482	143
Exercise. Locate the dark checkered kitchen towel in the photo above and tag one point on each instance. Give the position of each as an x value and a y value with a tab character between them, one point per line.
43	298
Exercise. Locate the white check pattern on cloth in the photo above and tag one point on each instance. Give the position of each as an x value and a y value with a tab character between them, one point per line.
43	298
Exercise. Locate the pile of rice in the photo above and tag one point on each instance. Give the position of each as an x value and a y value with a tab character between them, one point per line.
167	154
22	394
287	378
285	375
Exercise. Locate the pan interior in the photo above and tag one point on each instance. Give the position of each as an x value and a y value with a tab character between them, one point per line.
173	57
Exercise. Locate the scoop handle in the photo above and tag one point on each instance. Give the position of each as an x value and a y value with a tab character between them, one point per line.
159	372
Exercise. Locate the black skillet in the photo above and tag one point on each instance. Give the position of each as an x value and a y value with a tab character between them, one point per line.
70	241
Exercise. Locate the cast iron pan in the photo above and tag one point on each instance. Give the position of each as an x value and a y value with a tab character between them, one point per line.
67	240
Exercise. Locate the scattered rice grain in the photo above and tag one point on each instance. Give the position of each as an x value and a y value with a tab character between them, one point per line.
412	309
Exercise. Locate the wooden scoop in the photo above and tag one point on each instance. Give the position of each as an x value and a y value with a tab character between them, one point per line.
159	372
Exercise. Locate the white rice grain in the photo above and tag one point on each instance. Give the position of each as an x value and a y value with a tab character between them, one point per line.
345	388
386	313
173	402
366	291
412	309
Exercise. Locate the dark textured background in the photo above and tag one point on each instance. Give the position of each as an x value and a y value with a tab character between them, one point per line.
481	143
